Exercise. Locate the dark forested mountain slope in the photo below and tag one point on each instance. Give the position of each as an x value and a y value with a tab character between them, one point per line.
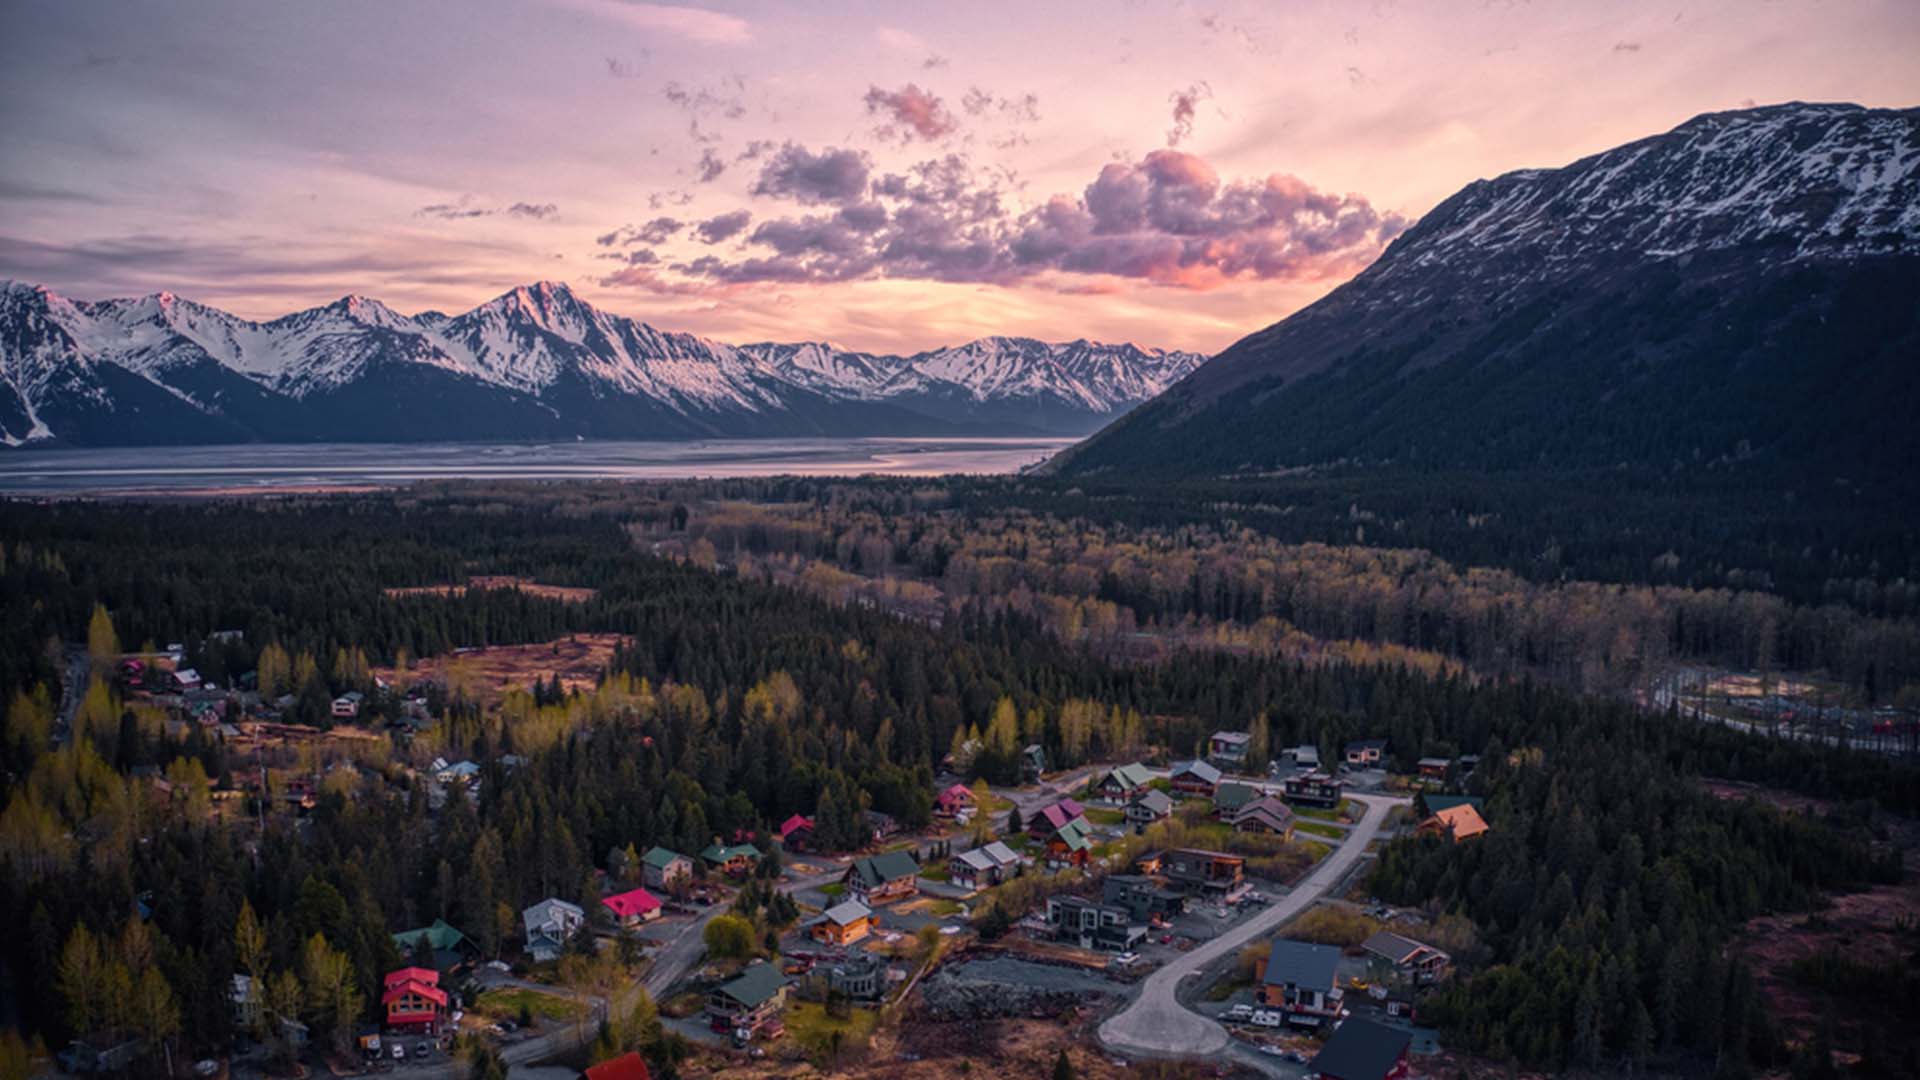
1740	293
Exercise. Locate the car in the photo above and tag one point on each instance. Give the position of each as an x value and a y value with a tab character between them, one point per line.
420	1050
399	1052
1126	959
1240	1012
1166	939
1269	1048
1267	1017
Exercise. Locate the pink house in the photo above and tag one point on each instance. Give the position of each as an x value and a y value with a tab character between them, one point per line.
796	832
633	907
1052	819
953	801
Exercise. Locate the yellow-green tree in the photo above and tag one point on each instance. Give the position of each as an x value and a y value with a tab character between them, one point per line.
103	645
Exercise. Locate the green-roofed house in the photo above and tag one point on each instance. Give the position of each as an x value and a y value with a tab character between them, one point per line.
876	879
1229	797
1071	844
1123	783
749	1001
660	868
731	859
451	948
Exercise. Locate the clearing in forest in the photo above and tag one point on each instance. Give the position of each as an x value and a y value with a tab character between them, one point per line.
487	673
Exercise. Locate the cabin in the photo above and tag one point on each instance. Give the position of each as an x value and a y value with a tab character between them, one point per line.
1051	819
1148	807
1301	981
1211	874
1071	844
1455	824
748	1002
1366	753
1434	770
734	859
1364	1050
796	833
988	864
1418	964
954	802
628	1066
1122	783
1033	764
1228	749
451	948
1313	789
347	705
843	923
632	908
1306	756
660	868
185	679
1229	797
1195	778
411	1001
881	826
1091	924
1428	804
1150	862
879	879
1145	899
1266	815
549	924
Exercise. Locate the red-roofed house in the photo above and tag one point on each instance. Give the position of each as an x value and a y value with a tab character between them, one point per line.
796	833
953	802
1052	819
412	1001
633	907
628	1066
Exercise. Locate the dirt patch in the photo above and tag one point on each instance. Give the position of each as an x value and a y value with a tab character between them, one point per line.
1735	790
920	1049
1873	927
486	674
564	593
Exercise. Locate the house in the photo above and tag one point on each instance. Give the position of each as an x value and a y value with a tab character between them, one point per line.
102	1055
989	864
1209	873
1434	769
861	976
749	1001
1366	753
186	679
730	858
347	705
1123	783
411	1000
243	1005
1149	862
628	1066
451	948
843	923
1306	756
633	907
953	802
1429	804
463	772
1419	964
877	879
1091	924
1300	981
1228	749
1364	1050
1033	764
796	833
1051	819
1071	844
549	924
1267	815
881	825
1194	778
1456	823
1148	807
1229	797
1146	900
1313	789
660	868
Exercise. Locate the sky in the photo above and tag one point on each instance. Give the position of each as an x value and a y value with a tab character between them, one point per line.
882	176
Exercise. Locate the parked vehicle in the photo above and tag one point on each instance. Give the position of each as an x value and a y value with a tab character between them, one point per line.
399	1052
1240	1012
420	1050
1267	1017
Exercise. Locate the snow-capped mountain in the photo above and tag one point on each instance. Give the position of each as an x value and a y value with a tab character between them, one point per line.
537	362
1739	289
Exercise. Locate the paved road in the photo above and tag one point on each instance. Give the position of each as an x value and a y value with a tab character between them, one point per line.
1157	1025
686	948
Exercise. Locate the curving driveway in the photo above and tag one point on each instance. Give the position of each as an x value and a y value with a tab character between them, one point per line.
1155	1024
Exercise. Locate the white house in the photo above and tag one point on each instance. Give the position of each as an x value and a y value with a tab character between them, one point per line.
549	924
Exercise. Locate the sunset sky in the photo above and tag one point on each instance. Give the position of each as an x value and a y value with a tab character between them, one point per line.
883	176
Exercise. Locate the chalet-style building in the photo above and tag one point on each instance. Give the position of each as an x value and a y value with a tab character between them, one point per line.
347	705
1363	1050
1366	753
733	859
1306	756
881	826
1230	796
988	864
1300	981
1050	819
451	948
1150	862
956	801
1146	900
628	1066
1195	778
749	1002
843	923
882	878
1228	749
1428	803
549	925
660	868
1313	789
1267	815
1122	783
796	833
1148	807
1071	844
1033	763
411	1001
1454	824
632	908
1434	770
1210	874
1091	924
1418	964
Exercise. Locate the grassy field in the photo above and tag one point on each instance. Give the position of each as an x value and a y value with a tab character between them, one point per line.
833	888
940	872
1321	828
943	907
810	1026
504	1003
1345	809
1106	815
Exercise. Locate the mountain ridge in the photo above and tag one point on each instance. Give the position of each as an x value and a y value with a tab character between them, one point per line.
570	369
